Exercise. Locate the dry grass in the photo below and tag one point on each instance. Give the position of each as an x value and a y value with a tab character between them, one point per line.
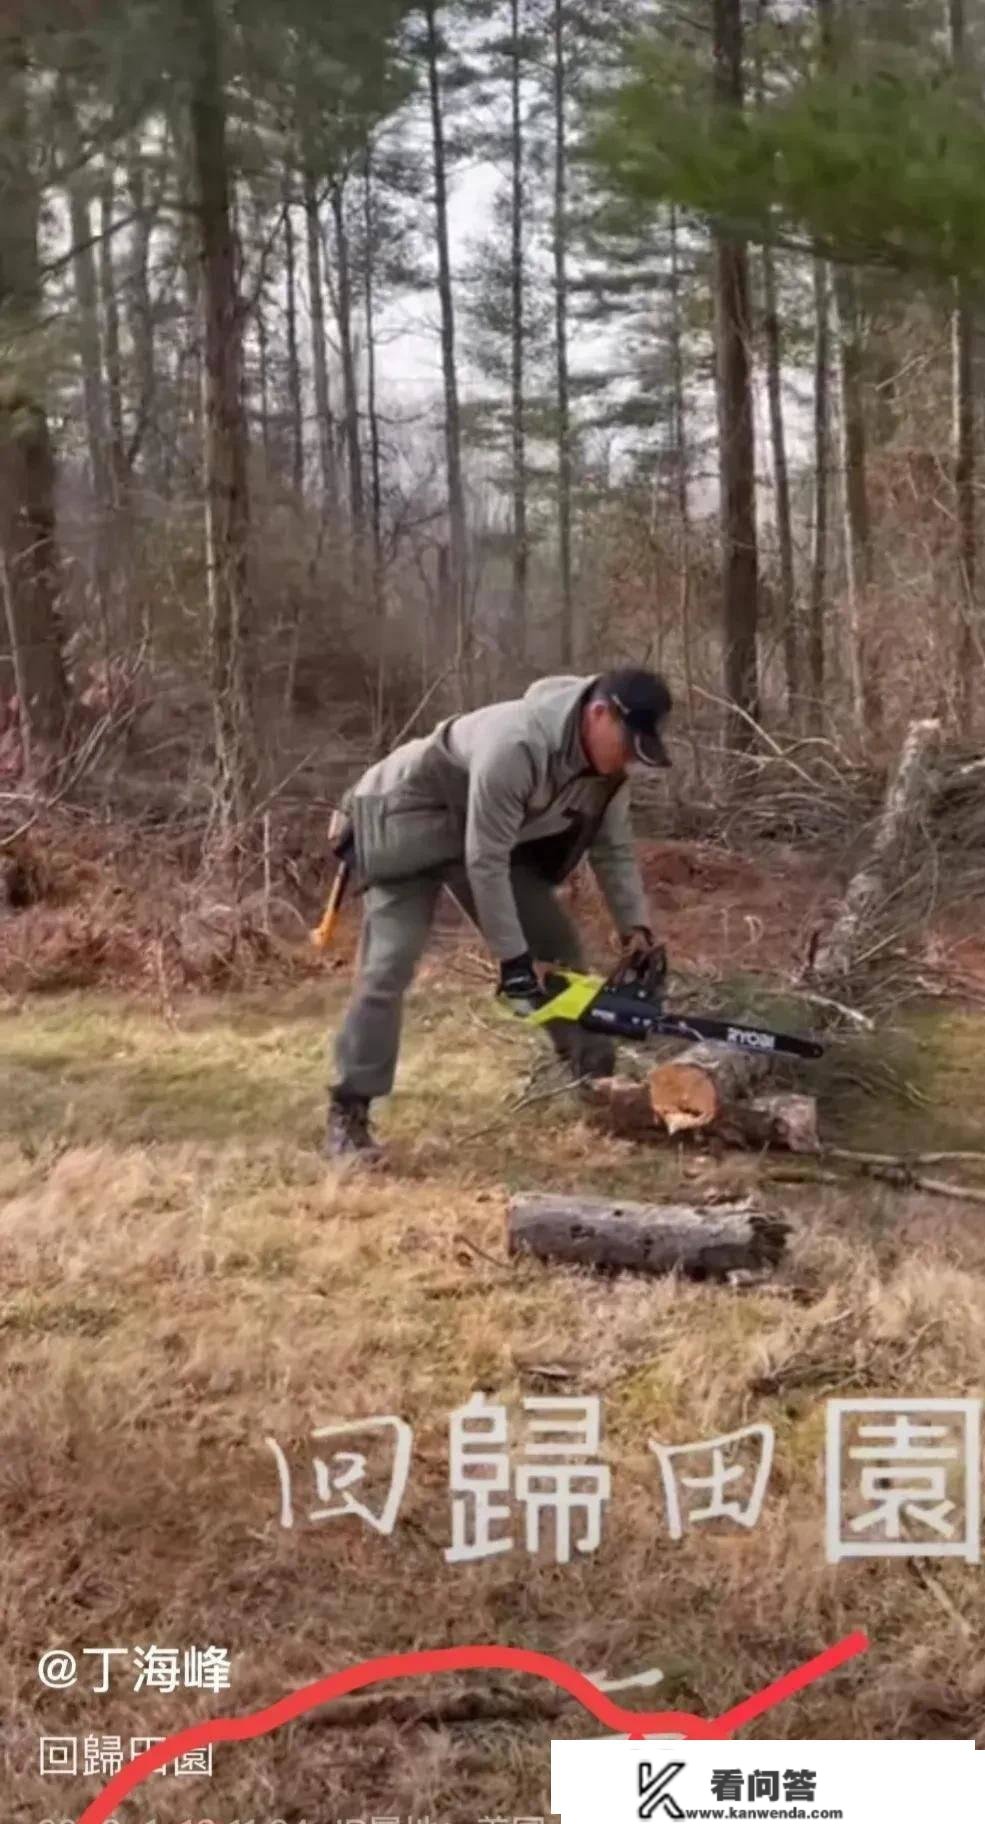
183	1278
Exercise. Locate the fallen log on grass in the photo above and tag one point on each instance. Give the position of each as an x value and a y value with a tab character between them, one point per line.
646	1238
682	1097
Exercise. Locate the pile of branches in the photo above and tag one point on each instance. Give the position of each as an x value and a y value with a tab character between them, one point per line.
810	795
85	903
805	794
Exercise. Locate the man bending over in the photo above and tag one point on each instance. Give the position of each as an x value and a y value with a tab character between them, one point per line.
499	806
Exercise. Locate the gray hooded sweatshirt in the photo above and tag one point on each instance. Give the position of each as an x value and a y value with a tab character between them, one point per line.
482	787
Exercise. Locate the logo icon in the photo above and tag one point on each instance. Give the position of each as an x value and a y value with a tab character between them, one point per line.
654	1796
756	1041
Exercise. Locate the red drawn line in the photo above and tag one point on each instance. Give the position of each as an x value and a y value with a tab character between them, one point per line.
635	1723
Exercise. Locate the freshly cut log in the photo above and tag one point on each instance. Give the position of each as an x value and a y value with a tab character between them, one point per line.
785	1121
646	1238
693	1089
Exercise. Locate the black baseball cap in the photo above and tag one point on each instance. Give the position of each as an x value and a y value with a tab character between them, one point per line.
644	702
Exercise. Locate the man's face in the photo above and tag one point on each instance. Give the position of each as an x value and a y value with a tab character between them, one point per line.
607	742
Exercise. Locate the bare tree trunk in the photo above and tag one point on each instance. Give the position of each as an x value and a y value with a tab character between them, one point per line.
822	457
140	322
93	399
372	410
969	649
119	476
319	355
179	427
227	500
120	528
867	701
28	551
263	376
737	453
565	463
29	555
458	549
521	553
681	463
20	726
350	389
778	438
293	356
781	474
375	450
858	529
969	658
83	267
194	359
79	187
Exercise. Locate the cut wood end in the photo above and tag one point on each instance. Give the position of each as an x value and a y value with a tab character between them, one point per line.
681	1123
682	1097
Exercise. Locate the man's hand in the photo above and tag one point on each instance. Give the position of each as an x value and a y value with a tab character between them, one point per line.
638	944
642	953
518	985
340	836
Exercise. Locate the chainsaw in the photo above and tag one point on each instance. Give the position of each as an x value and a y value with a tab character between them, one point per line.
630	1005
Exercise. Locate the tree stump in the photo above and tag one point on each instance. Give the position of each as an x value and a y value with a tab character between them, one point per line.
646	1238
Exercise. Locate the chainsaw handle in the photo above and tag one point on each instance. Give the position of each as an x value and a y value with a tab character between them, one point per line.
644	974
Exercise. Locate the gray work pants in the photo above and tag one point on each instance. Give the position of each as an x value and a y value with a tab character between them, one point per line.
397	920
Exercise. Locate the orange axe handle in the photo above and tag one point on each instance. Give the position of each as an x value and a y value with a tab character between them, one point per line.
321	937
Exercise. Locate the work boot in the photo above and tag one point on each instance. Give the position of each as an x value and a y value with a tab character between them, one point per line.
349	1136
584	1054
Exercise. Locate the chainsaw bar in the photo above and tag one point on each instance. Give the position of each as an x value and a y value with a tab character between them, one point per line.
629	1010
627	1023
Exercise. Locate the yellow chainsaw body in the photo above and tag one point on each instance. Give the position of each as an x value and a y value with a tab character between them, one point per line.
574	999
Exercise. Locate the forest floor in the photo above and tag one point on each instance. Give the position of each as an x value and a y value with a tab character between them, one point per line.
184	1280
